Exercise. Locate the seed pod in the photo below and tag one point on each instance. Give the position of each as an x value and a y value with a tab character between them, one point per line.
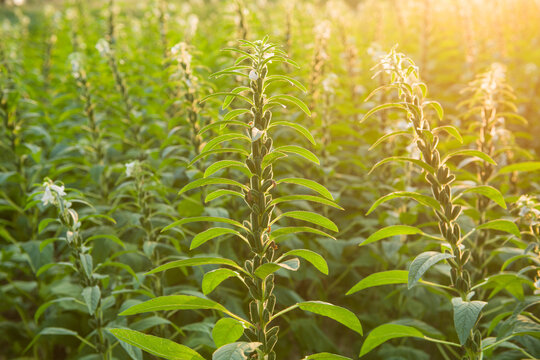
431	179
455	212
272	340
271	303
251	165
267	185
268	173
436	159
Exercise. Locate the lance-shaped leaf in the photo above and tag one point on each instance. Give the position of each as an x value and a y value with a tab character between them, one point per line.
311	217
222	192
422	263
384	107
235	351
386	332
387	137
297	229
420	163
223	124
302	130
290	99
222	138
435	105
266	269
226	331
337	313
422	199
489	192
203	219
310	184
325	356
210	181
223	164
452	130
311	256
157	346
390	231
218	151
472	153
300	151
523	166
381	278
290	80
41	309
174	302
501	225
91	296
195	262
272	157
465	316
215	277
210	234
312	198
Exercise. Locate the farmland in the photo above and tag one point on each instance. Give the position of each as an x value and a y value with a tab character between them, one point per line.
267	180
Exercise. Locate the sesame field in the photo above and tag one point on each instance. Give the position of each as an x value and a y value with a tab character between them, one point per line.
270	179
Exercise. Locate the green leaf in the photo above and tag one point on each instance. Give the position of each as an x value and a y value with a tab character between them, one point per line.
157	346
302	130
218	151
221	192
223	123
266	269
215	277
44	223
390	231
438	108
468	152
222	138
291	99
271	158
210	234
195	262
311	217
422	263
290	80
452	130
297	229
422	199
223	164
380	278
226	331
465	316
489	192
420	163
386	332
298	150
501	225
210	181
234	113
203	219
337	313
113	238
91	296
311	256
523	166
325	356
383	107
87	264
173	302
235	351
41	309
388	136
229	98
305	198
310	184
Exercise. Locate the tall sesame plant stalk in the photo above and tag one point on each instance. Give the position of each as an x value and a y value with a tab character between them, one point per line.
257	270
467	312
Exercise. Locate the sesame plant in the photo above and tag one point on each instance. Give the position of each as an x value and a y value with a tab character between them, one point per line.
455	247
258	270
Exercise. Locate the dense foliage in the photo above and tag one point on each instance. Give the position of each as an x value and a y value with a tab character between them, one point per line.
269	179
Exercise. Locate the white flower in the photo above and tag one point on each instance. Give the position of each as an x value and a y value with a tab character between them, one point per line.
75	60
253	75
103	47
268	55
330	83
256	134
19	2
47	197
58	189
130	168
